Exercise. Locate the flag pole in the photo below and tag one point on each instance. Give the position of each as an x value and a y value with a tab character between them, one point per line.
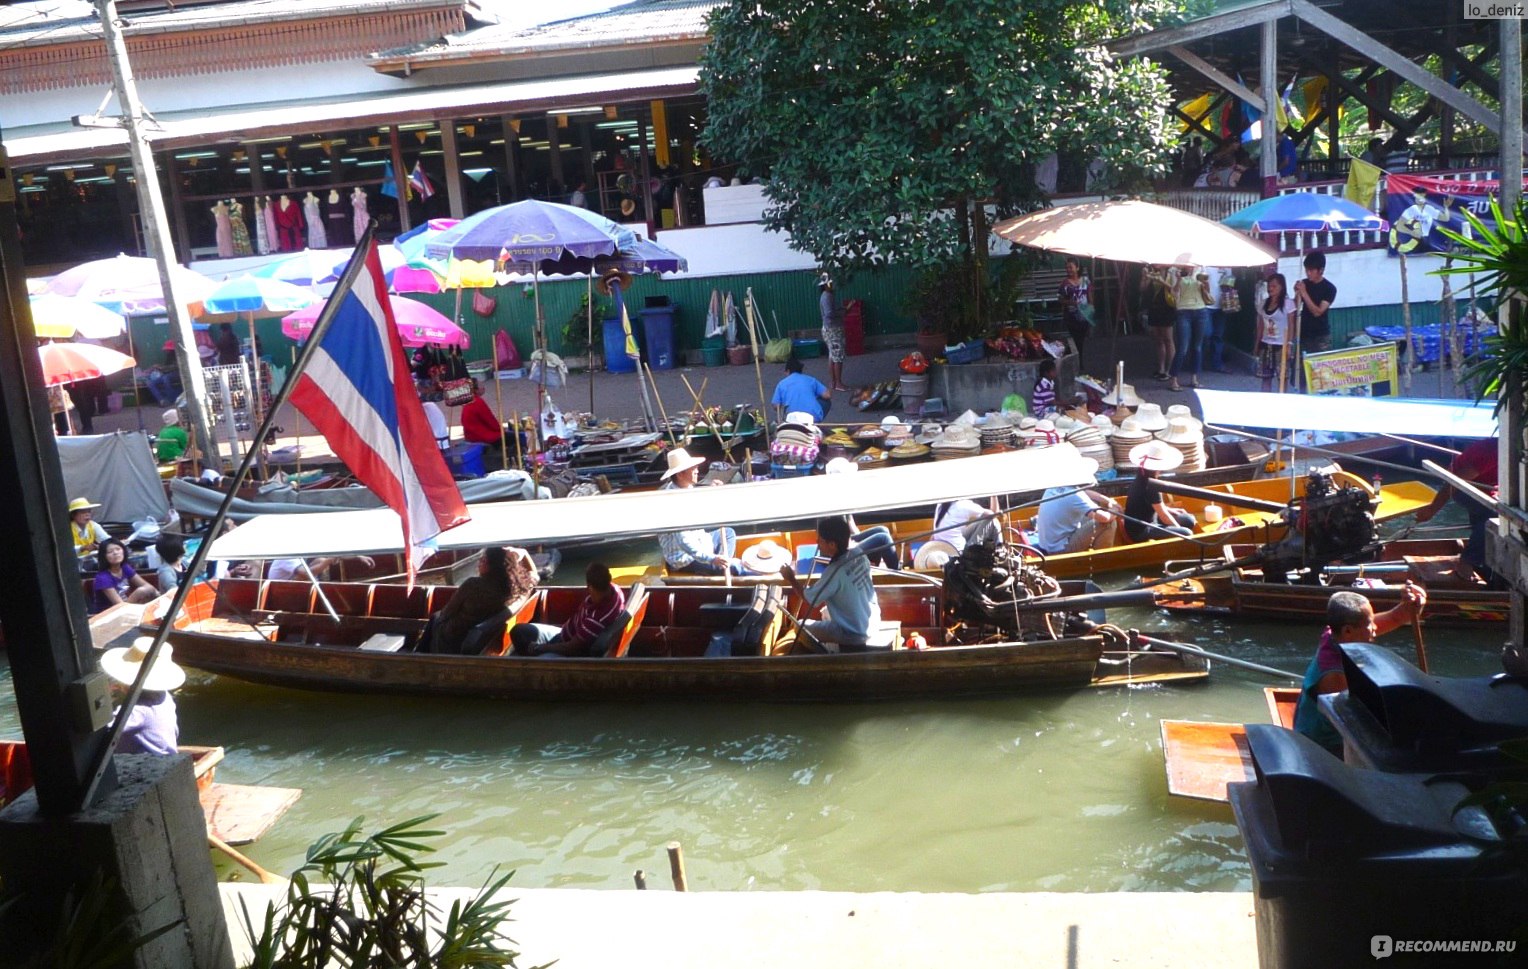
199	560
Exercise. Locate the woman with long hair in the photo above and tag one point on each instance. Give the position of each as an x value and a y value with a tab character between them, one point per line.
504	575
1273	316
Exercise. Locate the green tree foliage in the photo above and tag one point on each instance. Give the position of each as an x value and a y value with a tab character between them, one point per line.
885	127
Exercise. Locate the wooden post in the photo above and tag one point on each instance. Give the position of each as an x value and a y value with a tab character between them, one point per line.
758	373
498	390
659	398
519	456
1268	75
676	865
400	180
640	877
297	422
453	168
1416	630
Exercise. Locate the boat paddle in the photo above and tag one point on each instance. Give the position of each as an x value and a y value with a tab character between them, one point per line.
266	878
1220	657
1416	630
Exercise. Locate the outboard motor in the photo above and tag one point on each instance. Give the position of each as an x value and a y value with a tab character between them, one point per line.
1329	524
986	581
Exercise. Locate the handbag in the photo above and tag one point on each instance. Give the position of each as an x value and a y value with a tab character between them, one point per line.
456	392
484	304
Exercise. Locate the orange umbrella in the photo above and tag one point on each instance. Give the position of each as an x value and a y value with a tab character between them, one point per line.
64	363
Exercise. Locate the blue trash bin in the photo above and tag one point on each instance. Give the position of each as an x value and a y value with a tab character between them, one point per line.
616	360
658	327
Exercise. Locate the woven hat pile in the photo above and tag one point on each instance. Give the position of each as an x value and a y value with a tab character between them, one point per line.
1181	410
871	457
1091	443
1038	434
1150	417
896	434
1102	422
996	431
1127	436
870	434
909	452
959	440
796	443
841	438
1122	396
1184	434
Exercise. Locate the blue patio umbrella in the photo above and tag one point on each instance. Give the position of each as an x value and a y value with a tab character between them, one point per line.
1305	212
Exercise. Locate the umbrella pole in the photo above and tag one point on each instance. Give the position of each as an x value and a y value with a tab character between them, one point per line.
541	348
1406	318
758	373
590	338
297	417
132	352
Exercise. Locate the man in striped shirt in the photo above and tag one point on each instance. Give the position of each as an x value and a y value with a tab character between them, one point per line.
601	607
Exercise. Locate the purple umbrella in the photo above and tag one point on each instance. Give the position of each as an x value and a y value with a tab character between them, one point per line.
530	232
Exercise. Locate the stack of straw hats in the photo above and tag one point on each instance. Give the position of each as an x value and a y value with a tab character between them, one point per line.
909	452
959	440
870	434
1127	436
1091	442
872	457
1123	395
897	434
1185	434
1150	417
796	442
996	432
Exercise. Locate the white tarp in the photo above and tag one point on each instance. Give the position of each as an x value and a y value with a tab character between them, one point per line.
648	514
1411	417
118	471
191	498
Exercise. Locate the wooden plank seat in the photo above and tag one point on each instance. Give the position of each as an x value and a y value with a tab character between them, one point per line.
236	627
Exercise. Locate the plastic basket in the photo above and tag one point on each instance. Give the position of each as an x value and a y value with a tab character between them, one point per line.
806	348
969	352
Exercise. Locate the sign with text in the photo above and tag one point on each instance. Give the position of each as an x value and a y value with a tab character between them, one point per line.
1417	207
1355	372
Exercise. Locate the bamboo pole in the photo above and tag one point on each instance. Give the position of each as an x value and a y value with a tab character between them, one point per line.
297	426
758	373
266	878
498	389
659	398
1416	630
1406	319
591	343
700	406
676	865
519	457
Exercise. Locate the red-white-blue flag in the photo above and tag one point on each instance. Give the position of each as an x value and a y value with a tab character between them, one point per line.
421	181
357	390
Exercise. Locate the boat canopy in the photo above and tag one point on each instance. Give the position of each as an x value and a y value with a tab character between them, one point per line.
648	514
1413	417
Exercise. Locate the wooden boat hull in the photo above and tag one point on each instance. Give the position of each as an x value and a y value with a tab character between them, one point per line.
1243	593
1202	758
666	660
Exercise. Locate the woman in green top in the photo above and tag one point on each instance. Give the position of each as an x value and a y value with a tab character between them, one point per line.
172	441
1192	290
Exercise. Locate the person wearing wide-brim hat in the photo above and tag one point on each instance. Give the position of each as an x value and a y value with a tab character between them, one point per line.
697	551
152	725
1148	512
86	532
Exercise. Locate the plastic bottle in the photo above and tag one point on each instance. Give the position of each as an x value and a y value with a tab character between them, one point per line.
915	640
1378	481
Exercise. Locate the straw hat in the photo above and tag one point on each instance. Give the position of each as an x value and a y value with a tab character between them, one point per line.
928	433
1156	456
910	451
800	417
766	558
122	664
680	460
933	554
870	434
839	466
1123	396
958	437
1150	417
613	277
628	207
839	438
1182	430
82	504
1064	423
900	434
890	421
871	455
1104	425
1181	410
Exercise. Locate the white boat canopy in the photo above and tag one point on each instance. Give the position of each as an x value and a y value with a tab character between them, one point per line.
1412	417
648	514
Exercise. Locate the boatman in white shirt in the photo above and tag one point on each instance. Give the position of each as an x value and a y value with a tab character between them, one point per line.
845	589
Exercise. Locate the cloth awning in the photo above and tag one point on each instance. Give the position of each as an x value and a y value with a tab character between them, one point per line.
647	514
42	143
1411	417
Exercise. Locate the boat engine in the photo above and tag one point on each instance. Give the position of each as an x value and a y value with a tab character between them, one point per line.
983	584
1330	523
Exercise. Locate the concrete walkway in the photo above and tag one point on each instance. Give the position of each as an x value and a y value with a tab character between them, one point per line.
587	929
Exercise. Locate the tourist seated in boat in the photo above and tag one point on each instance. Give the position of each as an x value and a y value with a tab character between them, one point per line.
504	575
83	528
1350	618
1476	464
697	551
285	569
171	550
951	519
1076	520
876	541
845	590
1149	512
153	726
797	391
601	607
116	581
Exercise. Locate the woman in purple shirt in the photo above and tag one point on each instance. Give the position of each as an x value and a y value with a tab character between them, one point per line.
117	581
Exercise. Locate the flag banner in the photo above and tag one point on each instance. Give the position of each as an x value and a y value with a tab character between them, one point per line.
421	182
1418	206
631	341
1355	372
357	390
1363	180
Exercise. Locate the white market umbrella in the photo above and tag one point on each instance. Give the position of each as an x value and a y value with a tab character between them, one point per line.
61	317
1135	231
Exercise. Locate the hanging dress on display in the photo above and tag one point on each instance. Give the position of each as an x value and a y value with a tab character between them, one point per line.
224	230
338	230
359	216
262	228
241	246
288	225
316	237
272	236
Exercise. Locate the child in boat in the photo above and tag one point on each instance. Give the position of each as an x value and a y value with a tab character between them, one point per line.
1350	618
600	608
846	589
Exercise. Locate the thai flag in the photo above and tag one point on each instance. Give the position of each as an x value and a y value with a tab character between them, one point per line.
356	389
421	182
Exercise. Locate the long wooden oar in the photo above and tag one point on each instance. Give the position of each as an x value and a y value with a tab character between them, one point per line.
1219	657
266	878
1416	630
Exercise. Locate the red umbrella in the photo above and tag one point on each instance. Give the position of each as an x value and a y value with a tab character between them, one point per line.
64	363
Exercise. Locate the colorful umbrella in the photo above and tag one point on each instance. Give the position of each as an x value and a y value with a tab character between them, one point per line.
128	284
61	317
530	232
1305	212
1134	231
418	324
64	363
257	295
306	268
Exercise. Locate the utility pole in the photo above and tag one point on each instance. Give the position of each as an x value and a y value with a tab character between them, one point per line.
156	228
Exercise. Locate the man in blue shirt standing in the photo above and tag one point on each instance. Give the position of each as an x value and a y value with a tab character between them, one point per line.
799	392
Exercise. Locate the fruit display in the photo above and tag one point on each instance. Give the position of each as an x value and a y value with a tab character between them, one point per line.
1019	343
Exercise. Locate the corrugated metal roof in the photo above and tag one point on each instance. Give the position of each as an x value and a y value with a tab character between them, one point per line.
59	141
636	23
47	22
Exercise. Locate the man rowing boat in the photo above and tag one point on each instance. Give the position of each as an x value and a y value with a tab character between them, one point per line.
846	589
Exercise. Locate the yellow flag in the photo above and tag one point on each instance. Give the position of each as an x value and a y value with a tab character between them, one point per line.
1198	109
1362	180
631	342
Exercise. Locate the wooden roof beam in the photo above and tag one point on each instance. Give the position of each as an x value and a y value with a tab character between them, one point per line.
1352	90
1160	40
1402	67
1215	74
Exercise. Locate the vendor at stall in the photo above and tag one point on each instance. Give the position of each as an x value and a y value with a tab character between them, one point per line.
172	439
86	532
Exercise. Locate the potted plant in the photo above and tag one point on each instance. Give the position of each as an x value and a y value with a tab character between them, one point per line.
576	349
929	300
